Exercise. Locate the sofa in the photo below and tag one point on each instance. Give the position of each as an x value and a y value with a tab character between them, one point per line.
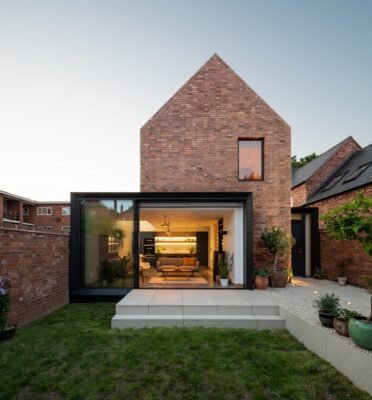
190	263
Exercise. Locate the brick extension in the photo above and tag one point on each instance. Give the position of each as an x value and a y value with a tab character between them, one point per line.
37	264
191	144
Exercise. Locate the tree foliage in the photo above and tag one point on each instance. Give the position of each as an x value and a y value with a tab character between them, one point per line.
277	242
303	160
352	221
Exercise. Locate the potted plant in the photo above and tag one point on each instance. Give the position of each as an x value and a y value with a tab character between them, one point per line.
261	279
360	331
318	274
352	221
6	331
224	269
341	321
277	243
327	306
341	266
368	280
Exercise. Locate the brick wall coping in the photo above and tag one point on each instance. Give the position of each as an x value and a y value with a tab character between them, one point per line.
3	228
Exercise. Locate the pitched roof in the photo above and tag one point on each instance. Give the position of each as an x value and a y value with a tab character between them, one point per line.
302	174
342	175
207	68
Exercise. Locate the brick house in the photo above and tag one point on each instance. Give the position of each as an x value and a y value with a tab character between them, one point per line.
215	172
22	213
332	179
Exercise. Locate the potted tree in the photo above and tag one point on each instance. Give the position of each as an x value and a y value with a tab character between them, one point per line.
327	306
341	266
341	321
224	269
6	331
353	221
261	279
277	243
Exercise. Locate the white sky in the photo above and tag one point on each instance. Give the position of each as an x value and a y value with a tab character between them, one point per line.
79	78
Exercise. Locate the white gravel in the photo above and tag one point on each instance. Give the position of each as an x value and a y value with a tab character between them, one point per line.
299	296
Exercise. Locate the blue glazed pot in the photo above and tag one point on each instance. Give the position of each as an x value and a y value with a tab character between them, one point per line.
360	332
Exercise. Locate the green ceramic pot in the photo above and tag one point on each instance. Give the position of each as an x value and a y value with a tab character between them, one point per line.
361	333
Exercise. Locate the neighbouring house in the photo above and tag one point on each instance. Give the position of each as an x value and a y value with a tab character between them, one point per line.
22	213
332	179
215	172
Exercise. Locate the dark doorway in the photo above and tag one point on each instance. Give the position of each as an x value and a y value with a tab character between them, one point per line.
298	250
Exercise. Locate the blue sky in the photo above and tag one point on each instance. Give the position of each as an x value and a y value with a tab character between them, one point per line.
79	78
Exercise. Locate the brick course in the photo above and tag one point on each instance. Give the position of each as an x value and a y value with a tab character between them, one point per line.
37	264
191	144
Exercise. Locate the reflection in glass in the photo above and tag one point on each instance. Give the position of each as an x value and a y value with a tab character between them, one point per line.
107	231
250	160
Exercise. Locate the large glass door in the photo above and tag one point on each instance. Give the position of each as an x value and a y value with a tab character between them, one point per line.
109	243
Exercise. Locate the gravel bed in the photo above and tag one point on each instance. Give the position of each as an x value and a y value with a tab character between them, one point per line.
299	296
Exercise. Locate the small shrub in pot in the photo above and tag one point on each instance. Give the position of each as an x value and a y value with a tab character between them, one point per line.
6	331
341	266
261	279
327	306
341	321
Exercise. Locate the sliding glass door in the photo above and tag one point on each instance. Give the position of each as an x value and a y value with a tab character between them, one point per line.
107	232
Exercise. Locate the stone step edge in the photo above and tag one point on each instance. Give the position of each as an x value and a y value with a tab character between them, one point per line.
129	317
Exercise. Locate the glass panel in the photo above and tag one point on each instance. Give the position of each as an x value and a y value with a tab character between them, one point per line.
107	234
250	160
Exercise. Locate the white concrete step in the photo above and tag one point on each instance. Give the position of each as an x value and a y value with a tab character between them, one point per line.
183	320
196	309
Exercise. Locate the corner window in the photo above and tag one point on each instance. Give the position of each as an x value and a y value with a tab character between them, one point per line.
250	160
65	210
44	211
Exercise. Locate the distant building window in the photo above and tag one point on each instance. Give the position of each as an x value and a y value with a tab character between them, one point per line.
357	172
65	210
44	228
44	211
250	160
66	229
334	182
26	211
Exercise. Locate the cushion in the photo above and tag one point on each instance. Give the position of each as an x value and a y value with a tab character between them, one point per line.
189	261
167	261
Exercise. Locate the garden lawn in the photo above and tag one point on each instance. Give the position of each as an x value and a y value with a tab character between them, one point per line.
73	354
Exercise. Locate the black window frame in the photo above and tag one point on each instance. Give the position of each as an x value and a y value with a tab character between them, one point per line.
352	178
80	293
262	158
334	181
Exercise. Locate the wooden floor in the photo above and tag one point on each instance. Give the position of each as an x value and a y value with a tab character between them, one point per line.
201	279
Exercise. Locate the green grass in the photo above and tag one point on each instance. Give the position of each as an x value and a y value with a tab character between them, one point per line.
73	354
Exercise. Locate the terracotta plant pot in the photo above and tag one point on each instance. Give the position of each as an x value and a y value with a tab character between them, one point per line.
360	332
8	333
326	319
261	282
341	326
279	279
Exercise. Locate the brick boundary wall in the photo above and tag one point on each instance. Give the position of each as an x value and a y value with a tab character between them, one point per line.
334	251
38	265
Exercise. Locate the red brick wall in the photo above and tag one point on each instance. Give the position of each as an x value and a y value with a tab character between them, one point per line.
334	251
56	220
37	264
299	195
191	144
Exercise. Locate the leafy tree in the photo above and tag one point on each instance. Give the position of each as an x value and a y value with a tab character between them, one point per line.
302	161
277	242
352	221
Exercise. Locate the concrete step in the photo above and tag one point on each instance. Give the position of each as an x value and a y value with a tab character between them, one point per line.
196	309
257	322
